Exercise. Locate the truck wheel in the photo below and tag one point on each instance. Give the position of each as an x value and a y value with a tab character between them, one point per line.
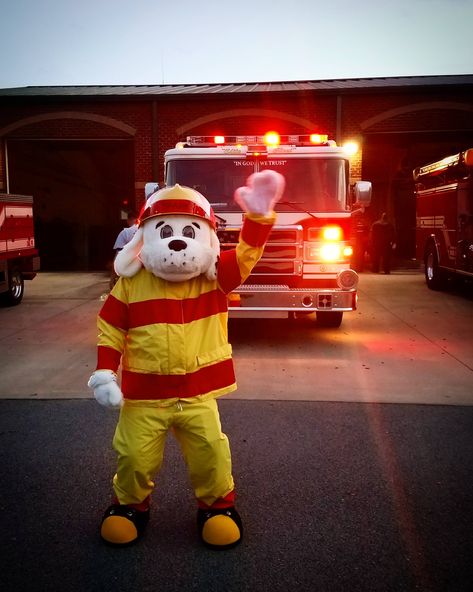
329	318
434	276
16	287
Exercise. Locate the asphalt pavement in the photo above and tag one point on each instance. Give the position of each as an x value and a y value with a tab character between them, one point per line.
334	497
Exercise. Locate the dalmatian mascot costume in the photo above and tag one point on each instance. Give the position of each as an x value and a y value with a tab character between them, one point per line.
165	323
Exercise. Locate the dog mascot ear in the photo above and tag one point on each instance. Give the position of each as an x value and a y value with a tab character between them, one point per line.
176	238
211	273
127	262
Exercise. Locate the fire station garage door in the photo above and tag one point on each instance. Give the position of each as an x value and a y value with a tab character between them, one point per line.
388	162
80	189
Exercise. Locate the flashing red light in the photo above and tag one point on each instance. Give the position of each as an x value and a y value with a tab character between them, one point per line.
272	139
318	138
332	233
219	139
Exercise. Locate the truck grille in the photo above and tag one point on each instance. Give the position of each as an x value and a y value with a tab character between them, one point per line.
282	254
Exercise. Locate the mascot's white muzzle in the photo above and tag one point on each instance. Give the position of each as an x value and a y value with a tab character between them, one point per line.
177	258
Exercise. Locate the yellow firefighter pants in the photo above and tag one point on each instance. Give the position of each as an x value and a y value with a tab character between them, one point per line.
139	441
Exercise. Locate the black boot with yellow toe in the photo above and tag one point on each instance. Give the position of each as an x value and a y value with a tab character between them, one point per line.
219	529
123	525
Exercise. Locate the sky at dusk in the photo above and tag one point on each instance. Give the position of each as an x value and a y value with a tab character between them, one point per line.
104	42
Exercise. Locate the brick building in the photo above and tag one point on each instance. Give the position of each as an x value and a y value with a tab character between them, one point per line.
85	153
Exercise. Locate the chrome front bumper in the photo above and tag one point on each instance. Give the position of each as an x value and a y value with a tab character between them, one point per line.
282	298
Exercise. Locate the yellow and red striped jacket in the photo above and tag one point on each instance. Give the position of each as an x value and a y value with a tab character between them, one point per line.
171	337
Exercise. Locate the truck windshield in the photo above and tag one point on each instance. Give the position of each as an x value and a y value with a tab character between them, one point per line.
317	185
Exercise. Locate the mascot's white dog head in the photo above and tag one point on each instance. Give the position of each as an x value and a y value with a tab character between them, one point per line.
176	238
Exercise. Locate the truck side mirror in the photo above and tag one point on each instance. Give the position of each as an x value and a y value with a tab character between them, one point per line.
362	193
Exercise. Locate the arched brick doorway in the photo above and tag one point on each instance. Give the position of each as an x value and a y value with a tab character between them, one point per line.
79	187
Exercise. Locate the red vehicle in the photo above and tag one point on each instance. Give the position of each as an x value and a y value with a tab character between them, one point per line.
19	259
305	266
444	210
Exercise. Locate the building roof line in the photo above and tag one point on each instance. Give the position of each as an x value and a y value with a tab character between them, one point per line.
163	90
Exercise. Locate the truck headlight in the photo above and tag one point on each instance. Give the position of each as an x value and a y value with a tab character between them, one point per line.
330	252
327	252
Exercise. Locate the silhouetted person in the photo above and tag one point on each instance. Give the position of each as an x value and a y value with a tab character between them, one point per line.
361	232
382	241
124	236
127	233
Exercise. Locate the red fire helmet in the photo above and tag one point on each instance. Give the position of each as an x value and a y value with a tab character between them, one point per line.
178	200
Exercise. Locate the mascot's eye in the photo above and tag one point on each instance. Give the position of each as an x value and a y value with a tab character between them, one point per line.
188	232
166	231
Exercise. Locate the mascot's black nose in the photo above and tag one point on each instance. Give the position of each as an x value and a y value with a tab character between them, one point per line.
177	245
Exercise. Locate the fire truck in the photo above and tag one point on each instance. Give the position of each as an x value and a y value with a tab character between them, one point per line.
444	213
19	258
305	267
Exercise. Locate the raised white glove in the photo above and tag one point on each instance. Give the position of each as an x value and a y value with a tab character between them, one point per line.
263	190
105	387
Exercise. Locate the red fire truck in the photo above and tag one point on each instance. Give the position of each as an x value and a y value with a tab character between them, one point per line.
444	210
305	266
18	256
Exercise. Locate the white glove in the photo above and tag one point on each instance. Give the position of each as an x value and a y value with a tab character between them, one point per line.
262	192
106	390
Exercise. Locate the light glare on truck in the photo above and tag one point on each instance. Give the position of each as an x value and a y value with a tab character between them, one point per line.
330	252
272	139
332	233
318	138
350	148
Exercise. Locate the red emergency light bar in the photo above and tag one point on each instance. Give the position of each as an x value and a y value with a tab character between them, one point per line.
269	139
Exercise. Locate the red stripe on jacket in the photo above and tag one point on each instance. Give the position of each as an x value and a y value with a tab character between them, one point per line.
162	310
115	312
136	385
254	233
108	358
228	271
